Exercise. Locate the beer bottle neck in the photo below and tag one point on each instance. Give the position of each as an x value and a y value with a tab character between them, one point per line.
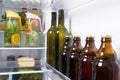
90	46
67	43
107	46
77	43
90	43
106	50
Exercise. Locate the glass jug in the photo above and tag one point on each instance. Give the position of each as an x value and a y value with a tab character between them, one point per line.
12	37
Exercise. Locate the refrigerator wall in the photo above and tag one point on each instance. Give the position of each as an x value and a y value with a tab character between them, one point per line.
98	17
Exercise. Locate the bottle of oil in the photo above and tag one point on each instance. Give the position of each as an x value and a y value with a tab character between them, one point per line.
105	66
51	40
87	58
64	53
73	59
61	32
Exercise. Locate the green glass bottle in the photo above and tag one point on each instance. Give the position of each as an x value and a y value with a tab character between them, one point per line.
61	32
51	40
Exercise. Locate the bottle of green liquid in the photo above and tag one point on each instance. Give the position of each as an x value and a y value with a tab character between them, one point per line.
61	32
51	40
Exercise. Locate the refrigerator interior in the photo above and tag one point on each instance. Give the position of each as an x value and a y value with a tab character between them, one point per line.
92	17
88	17
9	68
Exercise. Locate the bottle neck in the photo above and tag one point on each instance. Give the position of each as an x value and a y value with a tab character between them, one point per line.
107	46
53	25
61	19
67	44
106	50
90	46
77	47
77	43
53	20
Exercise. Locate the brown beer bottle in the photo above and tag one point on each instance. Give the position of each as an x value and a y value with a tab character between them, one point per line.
87	58
51	40
73	59
105	66
63	55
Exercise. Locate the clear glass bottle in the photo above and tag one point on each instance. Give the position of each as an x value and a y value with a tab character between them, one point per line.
51	39
73	59
12	37
61	32
87	58
105	66
64	53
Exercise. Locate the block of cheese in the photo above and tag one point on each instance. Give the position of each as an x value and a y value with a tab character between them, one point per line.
26	62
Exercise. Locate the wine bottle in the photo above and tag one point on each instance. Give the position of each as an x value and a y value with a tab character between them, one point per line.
60	37
51	40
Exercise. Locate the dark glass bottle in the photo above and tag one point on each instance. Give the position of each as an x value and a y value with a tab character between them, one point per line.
51	40
105	66
88	56
63	55
73	59
61	32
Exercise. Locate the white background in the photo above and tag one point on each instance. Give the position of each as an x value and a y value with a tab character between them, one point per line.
98	17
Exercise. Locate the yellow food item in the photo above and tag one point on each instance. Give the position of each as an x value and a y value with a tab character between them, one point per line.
2	26
26	62
15	38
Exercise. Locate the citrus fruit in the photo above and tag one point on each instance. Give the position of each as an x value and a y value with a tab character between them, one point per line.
28	30
34	23
15	38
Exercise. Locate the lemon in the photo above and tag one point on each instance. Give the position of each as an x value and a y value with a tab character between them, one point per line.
15	38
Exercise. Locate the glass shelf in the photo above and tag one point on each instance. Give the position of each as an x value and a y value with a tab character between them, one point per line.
49	72
22	45
20	48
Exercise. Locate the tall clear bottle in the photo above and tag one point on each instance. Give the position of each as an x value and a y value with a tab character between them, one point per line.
105	67
60	37
64	53
88	56
73	59
51	40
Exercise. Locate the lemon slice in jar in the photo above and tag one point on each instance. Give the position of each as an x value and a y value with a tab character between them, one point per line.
15	38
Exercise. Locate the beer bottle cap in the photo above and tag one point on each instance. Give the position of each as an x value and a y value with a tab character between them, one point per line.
68	36
106	36
77	36
89	36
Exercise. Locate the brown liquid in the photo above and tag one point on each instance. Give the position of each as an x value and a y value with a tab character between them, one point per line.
105	69
87	61
72	72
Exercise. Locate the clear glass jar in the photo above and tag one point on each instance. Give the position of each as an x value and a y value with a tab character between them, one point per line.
12	37
32	33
